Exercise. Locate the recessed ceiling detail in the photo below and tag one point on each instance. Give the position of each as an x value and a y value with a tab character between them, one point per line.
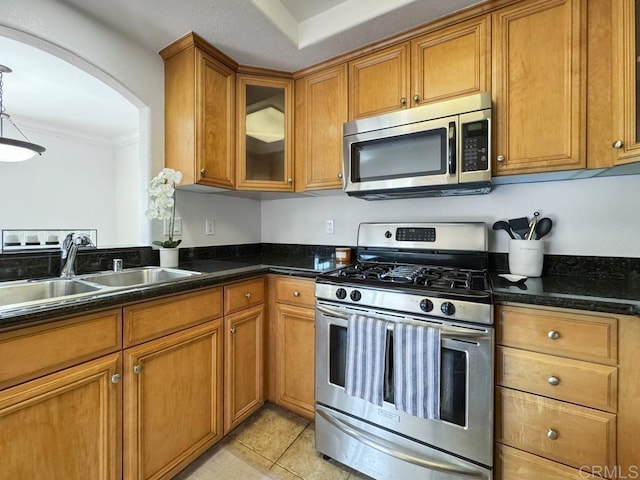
307	22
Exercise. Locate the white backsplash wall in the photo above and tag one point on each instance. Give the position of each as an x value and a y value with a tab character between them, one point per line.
598	216
236	220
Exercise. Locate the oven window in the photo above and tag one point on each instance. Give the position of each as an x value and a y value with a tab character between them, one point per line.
453	374
410	155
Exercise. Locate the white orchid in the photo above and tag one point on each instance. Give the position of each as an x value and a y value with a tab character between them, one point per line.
162	204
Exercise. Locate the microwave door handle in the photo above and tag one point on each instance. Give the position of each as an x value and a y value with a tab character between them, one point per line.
452	148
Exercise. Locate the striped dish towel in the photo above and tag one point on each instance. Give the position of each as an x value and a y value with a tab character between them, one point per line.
416	374
366	345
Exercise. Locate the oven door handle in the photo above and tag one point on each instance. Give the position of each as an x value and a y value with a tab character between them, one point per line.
445	332
393	450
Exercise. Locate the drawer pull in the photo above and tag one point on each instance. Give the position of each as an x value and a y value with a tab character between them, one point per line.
232	329
137	369
296	293
553	381
248	295
552	434
116	378
553	335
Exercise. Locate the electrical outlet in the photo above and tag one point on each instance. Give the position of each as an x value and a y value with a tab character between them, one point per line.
210	226
328	227
177	226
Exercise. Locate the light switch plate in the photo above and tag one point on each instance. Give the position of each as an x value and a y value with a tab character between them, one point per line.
177	226
210	226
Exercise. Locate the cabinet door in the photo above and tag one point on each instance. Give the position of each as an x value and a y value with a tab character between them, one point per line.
626	97
215	113
321	109
65	426
173	401
243	380
295	359
265	133
539	86
379	82
451	62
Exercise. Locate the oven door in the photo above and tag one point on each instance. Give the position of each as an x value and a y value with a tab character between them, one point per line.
420	154
465	427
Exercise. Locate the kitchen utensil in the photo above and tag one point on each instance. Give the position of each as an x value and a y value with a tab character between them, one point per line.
543	227
502	225
532	226
520	226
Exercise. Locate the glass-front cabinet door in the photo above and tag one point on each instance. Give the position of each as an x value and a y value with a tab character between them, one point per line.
265	133
626	89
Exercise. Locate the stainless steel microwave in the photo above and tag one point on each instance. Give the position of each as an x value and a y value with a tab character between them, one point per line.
433	150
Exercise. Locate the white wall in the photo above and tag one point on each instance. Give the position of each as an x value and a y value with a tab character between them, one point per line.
128	189
32	199
598	216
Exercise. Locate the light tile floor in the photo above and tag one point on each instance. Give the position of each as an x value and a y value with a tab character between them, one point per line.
273	444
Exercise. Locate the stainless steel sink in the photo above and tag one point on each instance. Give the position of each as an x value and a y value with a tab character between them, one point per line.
41	291
137	276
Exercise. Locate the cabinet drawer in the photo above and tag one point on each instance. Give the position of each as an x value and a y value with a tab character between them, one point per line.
567	334
583	436
153	319
589	384
515	464
296	291
239	296
32	352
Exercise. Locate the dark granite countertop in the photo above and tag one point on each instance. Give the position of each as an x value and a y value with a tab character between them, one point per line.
214	272
609	295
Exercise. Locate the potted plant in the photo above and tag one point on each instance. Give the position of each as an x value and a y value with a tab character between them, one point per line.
162	205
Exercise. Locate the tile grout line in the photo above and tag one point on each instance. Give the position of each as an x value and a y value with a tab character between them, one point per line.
289	446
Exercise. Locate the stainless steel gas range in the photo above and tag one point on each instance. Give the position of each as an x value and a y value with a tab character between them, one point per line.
404	354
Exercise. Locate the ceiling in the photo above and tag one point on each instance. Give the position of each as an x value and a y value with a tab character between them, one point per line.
280	34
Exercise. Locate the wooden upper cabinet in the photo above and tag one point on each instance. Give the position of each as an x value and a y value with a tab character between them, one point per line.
321	109
625	89
379	82
265	133
451	62
199	112
539	86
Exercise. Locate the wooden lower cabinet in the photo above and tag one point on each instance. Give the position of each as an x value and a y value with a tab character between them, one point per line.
172	401
243	372
64	426
558	404
295	359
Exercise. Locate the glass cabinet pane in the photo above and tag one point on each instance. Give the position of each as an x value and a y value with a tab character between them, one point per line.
265	133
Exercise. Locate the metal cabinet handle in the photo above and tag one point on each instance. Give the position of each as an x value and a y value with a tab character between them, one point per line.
137	369
618	144
116	378
403	101
553	335
340	175
553	381
232	329
552	434
289	180
203	172
500	158
296	293
416	98
248	295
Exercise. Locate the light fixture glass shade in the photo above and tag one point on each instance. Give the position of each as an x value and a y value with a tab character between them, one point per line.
266	125
16	150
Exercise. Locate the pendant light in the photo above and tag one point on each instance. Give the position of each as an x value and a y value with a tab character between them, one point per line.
12	150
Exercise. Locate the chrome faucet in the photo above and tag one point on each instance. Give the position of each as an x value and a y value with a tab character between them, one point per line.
70	247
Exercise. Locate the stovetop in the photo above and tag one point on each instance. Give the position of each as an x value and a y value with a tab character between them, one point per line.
427	276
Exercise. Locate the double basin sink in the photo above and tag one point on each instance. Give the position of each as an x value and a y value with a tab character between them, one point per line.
25	293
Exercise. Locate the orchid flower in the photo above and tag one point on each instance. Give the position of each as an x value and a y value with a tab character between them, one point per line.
162	203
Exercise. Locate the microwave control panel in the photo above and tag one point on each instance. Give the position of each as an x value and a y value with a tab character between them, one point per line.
475	146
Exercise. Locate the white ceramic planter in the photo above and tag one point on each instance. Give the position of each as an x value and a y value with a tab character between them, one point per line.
169	257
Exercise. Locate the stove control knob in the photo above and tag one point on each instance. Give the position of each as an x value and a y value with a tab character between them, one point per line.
448	308
426	305
341	293
356	296
388	234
